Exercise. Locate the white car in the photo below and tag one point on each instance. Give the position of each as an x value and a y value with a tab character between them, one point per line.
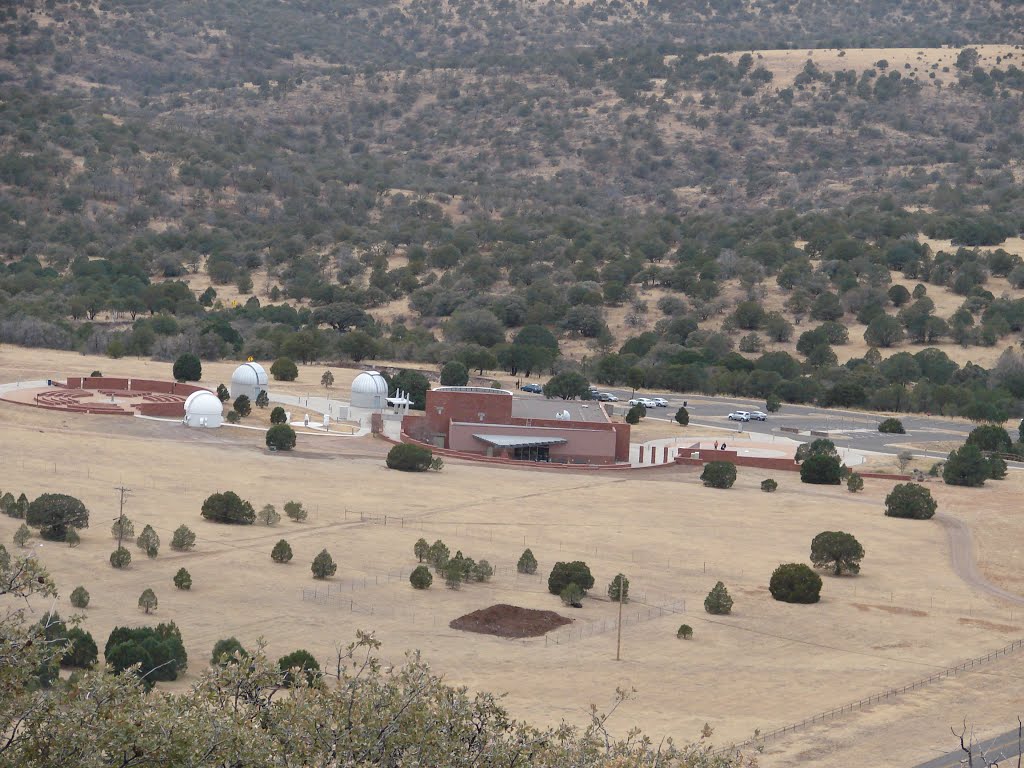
759	416
739	416
661	402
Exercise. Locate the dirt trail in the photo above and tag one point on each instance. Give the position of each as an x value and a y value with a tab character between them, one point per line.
961	553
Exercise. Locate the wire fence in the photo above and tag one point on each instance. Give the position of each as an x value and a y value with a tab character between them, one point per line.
630	617
890	693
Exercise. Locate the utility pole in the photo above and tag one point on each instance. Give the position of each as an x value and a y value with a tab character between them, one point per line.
618	641
123	491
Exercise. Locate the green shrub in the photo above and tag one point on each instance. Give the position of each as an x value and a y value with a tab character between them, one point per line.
407	457
527	562
795	583
183	539
572	595
296	664
278	415
228	507
54	513
837	550
892	426
769	486
242	405
280	437
284	369
563	574
295	511
148	601
821	470
719	474
227	651
187	368
634	414
618	588
120	558
282	552
481	571
682	416
911	501
966	466
421	578
222	393
718	602
233	417
854	483
420	549
183	579
323	565
996	470
80	597
454	374
82	652
438	554
685	632
159	650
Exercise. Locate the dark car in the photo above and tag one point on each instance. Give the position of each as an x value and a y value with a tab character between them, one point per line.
536	389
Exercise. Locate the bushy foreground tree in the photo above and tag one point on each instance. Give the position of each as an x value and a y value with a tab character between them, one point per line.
564	574
183	539
527	562
718	602
282	552
408	457
280	437
838	551
618	589
795	583
821	470
421	577
911	501
54	513
719	474
234	715
187	368
228	507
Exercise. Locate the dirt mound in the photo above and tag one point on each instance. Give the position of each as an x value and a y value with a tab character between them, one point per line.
509	621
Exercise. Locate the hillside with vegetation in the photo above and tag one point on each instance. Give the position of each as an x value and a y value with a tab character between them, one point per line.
757	197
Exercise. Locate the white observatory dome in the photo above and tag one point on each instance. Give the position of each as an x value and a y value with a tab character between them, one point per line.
248	379
370	391
203	409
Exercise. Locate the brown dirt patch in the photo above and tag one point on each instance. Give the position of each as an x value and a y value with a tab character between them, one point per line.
890	609
988	625
510	621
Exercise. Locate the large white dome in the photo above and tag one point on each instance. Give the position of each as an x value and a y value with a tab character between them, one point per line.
203	403
369	390
249	374
249	379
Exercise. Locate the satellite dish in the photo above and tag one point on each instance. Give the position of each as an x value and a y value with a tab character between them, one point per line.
563	416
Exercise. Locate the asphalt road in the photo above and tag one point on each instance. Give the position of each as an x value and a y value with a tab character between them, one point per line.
999	751
855	429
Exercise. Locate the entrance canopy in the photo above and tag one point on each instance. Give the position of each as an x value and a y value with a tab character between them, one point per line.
514	441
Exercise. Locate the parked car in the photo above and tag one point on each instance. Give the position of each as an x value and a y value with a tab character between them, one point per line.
646	402
661	402
536	389
739	416
607	397
759	416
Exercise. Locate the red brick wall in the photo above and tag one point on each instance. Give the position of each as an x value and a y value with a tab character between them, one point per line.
163	410
102	382
466	406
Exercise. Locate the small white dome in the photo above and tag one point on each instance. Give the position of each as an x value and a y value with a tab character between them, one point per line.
370	383
250	374
203	403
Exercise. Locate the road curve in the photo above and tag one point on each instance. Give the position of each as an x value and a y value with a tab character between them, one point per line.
961	553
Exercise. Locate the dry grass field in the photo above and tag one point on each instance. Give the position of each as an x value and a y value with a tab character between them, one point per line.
767	665
916	63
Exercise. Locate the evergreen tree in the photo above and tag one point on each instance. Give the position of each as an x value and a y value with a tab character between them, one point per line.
718	602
